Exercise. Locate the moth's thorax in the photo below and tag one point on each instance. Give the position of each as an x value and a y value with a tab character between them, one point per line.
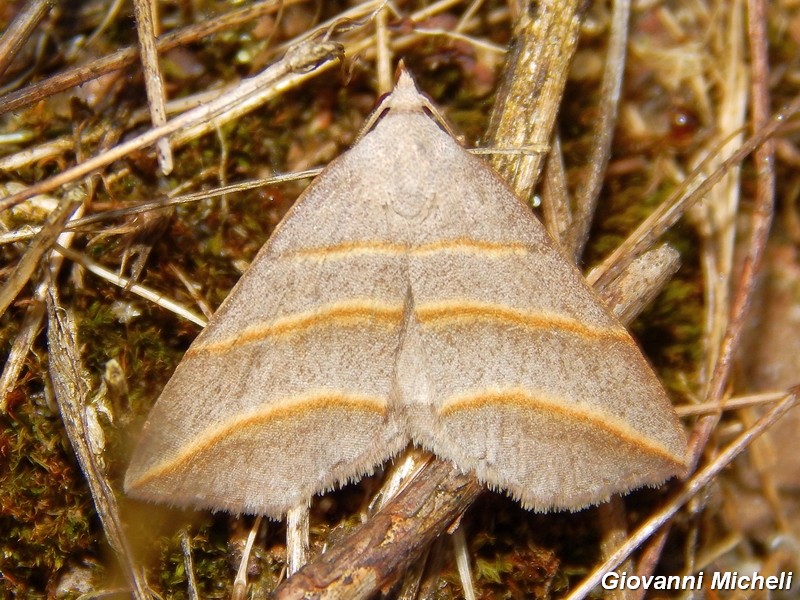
409	150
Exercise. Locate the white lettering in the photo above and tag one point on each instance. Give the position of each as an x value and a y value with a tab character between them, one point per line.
722	581
610	580
622	581
696	582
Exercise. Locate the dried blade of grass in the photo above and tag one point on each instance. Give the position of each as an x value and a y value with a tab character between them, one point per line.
31	324
126	56
718	210
153	80
691	190
135	288
188	565
20	29
589	189
463	563
761	219
43	241
689	489
23	342
556	212
71	385
240	582
310	54
143	207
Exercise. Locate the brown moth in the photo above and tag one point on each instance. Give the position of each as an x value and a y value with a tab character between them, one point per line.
408	296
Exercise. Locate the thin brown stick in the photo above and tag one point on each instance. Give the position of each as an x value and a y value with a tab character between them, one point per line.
20	29
610	88
371	558
688	491
303	56
127	56
153	80
761	220
692	190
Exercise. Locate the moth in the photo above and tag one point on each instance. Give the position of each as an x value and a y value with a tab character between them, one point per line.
407	297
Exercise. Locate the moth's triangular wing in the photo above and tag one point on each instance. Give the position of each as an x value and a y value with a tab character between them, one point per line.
289	389
511	366
407	284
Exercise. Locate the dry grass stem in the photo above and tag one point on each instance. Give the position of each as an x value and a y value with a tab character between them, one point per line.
19	30
688	490
610	90
154	82
71	385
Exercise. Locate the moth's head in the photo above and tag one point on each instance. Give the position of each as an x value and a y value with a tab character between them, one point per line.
405	99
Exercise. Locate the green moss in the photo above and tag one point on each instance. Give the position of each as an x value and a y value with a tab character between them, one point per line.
670	330
46	514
